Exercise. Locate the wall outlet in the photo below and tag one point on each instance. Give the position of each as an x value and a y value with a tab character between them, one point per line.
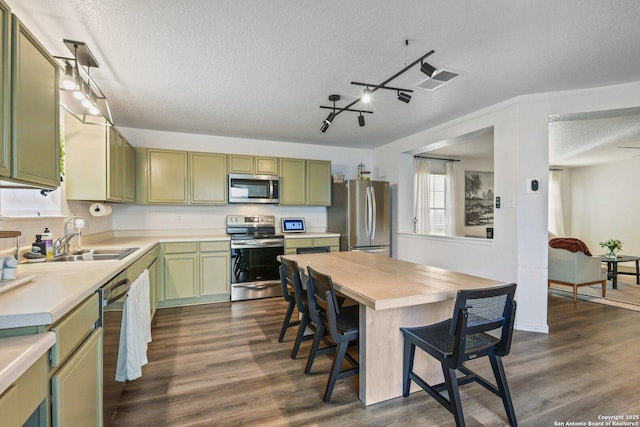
178	218
508	203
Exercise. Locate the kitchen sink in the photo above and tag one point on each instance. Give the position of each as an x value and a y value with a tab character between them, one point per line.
96	255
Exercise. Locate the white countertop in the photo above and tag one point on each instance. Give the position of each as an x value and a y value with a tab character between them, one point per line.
17	354
310	235
57	287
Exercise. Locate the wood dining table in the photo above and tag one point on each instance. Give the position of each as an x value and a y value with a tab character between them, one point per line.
391	294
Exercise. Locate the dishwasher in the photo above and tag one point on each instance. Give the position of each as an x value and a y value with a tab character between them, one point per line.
113	296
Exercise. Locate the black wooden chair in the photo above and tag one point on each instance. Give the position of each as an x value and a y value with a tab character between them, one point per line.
465	337
289	296
290	274
341	322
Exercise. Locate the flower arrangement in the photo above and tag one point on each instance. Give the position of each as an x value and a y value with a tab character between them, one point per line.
612	245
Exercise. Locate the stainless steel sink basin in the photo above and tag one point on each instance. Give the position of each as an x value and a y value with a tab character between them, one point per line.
97	255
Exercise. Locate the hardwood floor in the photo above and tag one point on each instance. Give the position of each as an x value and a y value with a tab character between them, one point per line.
221	364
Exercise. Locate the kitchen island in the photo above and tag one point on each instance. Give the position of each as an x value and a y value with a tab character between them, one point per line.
391	294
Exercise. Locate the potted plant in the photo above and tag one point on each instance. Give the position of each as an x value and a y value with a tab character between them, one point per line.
612	246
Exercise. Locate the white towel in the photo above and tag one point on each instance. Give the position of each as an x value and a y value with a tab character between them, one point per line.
135	332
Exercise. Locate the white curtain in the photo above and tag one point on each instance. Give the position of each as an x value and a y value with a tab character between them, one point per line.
421	195
556	218
450	201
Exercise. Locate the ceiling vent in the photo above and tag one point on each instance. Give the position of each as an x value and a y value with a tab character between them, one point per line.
441	78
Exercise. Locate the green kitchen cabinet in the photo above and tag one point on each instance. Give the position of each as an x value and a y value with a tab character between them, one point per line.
318	183
5	90
292	244
195	273
24	402
208	178
292	182
258	165
180	270
99	163
161	176
215	268
35	118
305	182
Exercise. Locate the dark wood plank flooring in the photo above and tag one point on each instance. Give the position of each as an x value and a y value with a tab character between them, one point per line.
222	365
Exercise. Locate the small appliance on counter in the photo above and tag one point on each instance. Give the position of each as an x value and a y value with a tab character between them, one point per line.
293	225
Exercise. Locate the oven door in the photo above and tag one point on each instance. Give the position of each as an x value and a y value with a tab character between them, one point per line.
255	272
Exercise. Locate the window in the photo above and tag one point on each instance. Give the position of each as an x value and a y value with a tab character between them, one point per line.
437	204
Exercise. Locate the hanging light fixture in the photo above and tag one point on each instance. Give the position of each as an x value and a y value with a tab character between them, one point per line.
403	94
337	110
79	93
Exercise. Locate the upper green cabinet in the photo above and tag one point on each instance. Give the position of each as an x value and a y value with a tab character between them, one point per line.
305	182
257	165
180	177
99	163
5	90
35	131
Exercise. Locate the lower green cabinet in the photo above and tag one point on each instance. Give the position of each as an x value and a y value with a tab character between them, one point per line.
292	244
24	402
195	272
76	388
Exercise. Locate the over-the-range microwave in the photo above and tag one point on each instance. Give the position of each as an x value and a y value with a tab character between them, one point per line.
254	188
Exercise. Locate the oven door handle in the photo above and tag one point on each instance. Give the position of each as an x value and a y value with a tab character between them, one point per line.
256	286
278	243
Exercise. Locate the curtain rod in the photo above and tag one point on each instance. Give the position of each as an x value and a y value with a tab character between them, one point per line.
436	158
555	170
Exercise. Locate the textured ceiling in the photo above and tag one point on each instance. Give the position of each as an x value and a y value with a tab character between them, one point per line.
260	69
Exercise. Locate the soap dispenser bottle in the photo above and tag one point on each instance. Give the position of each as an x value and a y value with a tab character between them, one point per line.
47	238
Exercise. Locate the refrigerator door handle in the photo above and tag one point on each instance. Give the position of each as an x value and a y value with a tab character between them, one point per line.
374	213
368	217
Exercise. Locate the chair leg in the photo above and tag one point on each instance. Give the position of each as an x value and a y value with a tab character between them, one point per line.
407	365
300	335
287	321
501	381
575	293
454	395
314	347
336	366
604	289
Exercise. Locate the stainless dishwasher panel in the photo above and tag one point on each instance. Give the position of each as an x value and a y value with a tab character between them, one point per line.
113	296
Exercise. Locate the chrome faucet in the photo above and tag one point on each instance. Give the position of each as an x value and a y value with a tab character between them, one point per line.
61	244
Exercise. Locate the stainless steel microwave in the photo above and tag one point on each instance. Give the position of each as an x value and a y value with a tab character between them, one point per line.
254	188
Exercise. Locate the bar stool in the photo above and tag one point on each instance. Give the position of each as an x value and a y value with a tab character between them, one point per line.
341	322
461	338
290	274
288	292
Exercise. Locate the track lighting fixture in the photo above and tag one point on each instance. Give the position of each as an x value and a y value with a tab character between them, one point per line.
428	69
403	94
404	97
79	93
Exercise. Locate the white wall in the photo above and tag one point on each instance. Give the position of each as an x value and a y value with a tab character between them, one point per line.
518	252
605	205
212	218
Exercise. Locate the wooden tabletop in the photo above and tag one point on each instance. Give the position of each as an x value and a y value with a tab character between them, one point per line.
382	283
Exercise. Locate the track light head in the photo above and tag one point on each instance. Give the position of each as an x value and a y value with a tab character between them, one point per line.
329	118
324	127
361	120
366	96
404	97
428	69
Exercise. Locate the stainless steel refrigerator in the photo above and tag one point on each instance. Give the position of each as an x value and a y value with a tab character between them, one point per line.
360	211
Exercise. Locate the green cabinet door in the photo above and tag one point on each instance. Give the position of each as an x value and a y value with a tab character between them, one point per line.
180	275
167	177
214	273
292	182
5	94
76	388
208	178
318	182
115	190
35	126
240	164
266	165
128	172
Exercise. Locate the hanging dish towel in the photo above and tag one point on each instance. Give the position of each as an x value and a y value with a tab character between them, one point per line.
135	332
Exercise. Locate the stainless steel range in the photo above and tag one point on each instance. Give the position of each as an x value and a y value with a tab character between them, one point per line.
254	250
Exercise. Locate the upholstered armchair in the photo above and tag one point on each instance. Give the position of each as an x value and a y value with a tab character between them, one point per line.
571	264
